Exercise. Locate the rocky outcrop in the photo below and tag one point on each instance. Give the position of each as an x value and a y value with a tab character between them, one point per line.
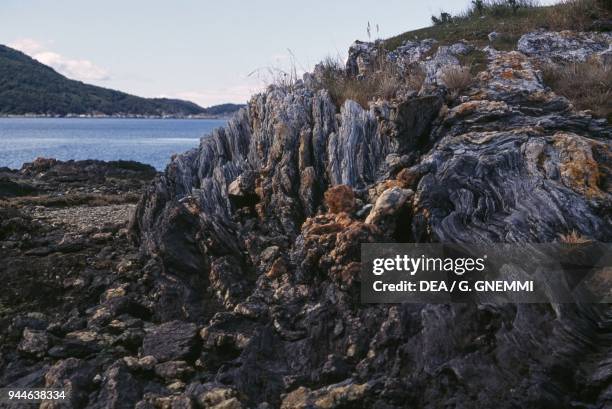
566	46
246	293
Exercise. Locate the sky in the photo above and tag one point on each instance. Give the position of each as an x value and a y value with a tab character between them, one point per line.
209	52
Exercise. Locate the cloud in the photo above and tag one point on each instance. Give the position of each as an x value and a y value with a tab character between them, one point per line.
83	70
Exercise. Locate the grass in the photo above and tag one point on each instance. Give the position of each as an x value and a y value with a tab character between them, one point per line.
573	238
588	85
511	23
456	79
385	81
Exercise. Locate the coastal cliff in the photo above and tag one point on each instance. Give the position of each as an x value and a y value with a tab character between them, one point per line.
256	237
246	290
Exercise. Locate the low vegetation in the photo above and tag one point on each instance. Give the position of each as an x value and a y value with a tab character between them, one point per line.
510	18
588	85
456	79
385	81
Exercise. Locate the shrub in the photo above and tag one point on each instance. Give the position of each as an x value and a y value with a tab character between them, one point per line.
497	8
444	18
587	85
478	6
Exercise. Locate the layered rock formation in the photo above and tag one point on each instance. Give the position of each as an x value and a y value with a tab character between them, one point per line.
249	291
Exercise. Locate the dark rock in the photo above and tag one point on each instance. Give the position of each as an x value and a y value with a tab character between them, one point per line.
34	342
119	389
10	188
75	377
172	340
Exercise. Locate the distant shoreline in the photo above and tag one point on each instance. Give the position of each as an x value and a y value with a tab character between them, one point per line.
116	116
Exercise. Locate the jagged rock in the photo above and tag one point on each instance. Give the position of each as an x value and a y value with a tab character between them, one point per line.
365	57
362	57
510	161
34	342
411	52
119	389
564	46
441	60
171	341
74	377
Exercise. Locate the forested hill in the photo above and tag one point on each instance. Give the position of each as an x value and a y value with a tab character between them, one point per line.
29	87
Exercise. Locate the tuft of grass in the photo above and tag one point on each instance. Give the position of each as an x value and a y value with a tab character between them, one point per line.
456	79
385	81
574	238
588	85
510	21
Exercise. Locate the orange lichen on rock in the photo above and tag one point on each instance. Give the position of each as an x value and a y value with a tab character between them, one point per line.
340	198
579	170
279	267
408	177
469	107
333	244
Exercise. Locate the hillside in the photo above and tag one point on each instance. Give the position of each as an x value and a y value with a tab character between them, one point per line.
29	87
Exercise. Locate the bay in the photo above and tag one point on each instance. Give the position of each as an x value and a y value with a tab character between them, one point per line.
151	141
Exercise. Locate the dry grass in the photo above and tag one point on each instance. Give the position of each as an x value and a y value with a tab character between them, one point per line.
457	79
588	85
577	14
574	238
385	81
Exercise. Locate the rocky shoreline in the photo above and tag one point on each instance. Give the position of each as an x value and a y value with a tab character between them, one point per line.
234	283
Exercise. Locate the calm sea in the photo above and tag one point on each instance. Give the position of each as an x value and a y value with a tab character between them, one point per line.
150	141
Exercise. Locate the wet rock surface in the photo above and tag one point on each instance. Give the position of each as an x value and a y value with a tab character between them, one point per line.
237	284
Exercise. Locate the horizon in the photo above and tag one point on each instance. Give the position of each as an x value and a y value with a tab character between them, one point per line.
196	64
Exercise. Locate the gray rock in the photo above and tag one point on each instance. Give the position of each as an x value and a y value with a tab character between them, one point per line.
171	341
72	375
119	389
564	46
34	342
